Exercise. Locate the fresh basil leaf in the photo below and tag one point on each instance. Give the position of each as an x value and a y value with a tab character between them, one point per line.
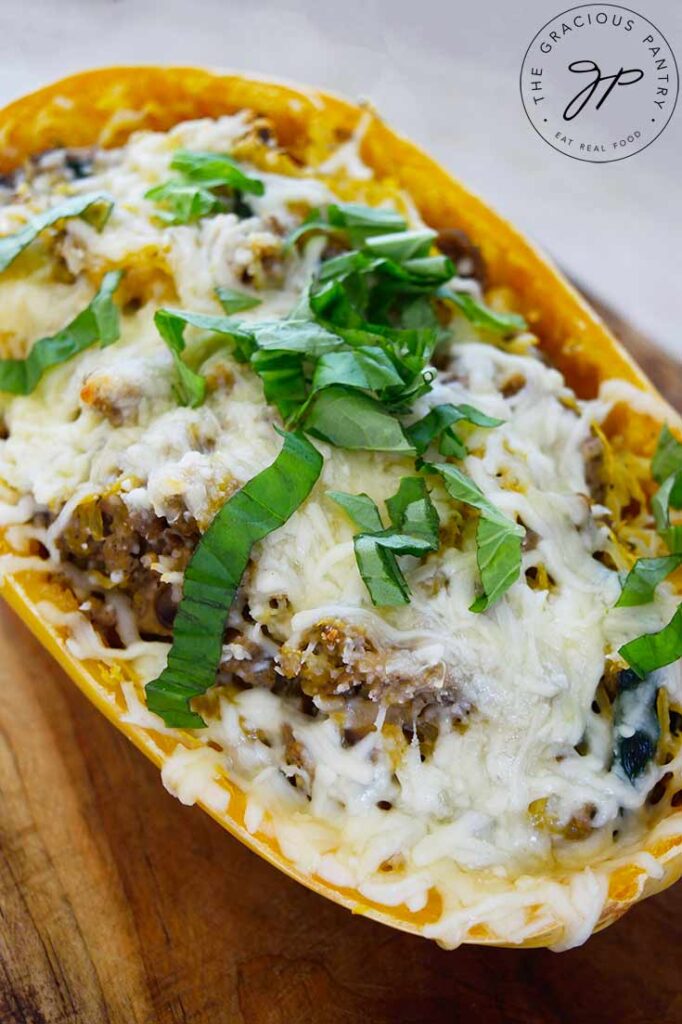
640	583
498	539
183	202
380	572
667	457
414	275
105	311
331	302
93	206
356	220
367	367
654	650
668	495
235	302
414	531
439	419
401	245
305	336
361	509
498	555
411	511
361	221
403	543
483	316
451	445
214	170
375	555
191	387
432	269
351	419
338	268
636	729
462	488
418	312
171	323
232	329
283	377
214	573
99	321
313	222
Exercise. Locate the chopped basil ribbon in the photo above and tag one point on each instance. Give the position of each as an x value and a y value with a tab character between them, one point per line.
99	321
92	206
214	572
412	511
498	539
376	554
235	302
214	170
483	316
640	583
669	495
350	419
190	388
666	469
361	509
414	531
184	203
190	197
402	245
636	728
438	424
655	650
367	367
667	457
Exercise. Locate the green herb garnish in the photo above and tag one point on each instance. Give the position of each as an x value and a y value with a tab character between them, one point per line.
190	388
414	531
214	573
93	206
438	423
235	302
666	469
193	195
498	539
361	509
99	321
640	583
669	495
375	555
655	650
354	355
667	457
215	170
366	367
350	419
183	203
483	316
411	511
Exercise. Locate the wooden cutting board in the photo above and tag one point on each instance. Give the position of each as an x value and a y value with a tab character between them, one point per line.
119	905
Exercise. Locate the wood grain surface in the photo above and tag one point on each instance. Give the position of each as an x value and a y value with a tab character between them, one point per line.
119	905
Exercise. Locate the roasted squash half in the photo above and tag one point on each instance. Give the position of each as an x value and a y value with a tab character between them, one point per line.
103	108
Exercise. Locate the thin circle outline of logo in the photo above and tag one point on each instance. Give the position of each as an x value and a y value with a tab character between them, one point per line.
634	140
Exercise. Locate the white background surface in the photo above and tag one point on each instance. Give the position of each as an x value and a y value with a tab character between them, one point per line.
444	73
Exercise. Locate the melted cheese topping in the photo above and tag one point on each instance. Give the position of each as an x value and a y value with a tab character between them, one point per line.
376	815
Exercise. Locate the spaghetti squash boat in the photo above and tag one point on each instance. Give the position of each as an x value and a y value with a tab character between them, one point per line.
336	498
